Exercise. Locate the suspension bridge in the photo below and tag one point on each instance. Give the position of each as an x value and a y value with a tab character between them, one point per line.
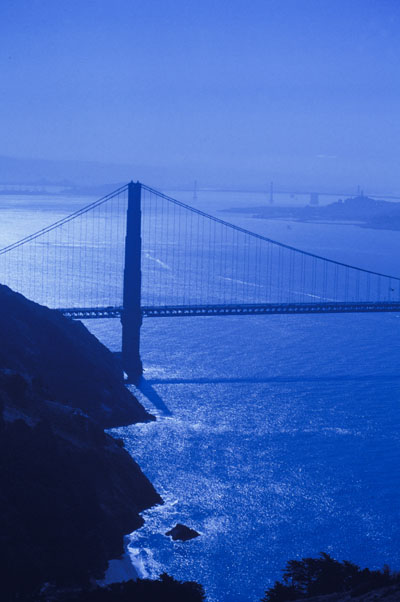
138	253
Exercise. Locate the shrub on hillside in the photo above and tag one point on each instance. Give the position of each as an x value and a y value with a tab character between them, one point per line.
309	577
164	589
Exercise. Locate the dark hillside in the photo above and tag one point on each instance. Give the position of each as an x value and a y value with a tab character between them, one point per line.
68	491
70	364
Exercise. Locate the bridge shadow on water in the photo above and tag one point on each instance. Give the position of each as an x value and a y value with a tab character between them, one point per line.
146	389
274	379
146	386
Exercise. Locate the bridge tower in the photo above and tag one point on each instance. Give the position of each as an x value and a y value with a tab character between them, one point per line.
131	317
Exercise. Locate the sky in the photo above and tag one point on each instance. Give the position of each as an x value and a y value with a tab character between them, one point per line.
301	92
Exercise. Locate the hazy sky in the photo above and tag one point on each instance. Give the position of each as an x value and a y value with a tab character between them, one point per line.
300	91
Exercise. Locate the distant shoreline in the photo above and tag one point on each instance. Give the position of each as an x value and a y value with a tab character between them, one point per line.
322	215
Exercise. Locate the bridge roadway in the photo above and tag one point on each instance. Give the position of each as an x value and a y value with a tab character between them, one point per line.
85	313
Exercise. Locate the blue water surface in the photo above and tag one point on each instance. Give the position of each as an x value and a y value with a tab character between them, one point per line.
276	436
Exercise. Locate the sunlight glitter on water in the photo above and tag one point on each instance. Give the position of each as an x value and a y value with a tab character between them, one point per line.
276	436
272	466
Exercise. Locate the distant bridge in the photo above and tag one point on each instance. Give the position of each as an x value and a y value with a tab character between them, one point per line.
138	253
302	193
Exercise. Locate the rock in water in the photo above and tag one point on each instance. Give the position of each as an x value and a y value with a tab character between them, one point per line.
182	533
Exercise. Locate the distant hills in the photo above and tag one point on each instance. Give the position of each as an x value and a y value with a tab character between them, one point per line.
361	210
95	177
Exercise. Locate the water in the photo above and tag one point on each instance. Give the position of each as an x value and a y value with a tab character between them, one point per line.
277	436
275	439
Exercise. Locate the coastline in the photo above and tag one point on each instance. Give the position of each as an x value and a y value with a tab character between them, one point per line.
122	569
329	222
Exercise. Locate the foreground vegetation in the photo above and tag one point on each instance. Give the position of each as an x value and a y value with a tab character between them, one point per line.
310	577
164	589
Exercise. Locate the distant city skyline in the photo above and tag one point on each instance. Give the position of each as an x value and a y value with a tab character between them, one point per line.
299	92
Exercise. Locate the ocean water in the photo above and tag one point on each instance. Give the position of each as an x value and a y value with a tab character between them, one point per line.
276	436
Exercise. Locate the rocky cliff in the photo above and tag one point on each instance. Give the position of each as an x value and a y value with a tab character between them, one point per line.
68	491
68	362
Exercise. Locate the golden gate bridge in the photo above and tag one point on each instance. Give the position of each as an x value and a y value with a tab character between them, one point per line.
139	253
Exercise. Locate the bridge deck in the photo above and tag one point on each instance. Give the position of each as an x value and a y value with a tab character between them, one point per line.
84	313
